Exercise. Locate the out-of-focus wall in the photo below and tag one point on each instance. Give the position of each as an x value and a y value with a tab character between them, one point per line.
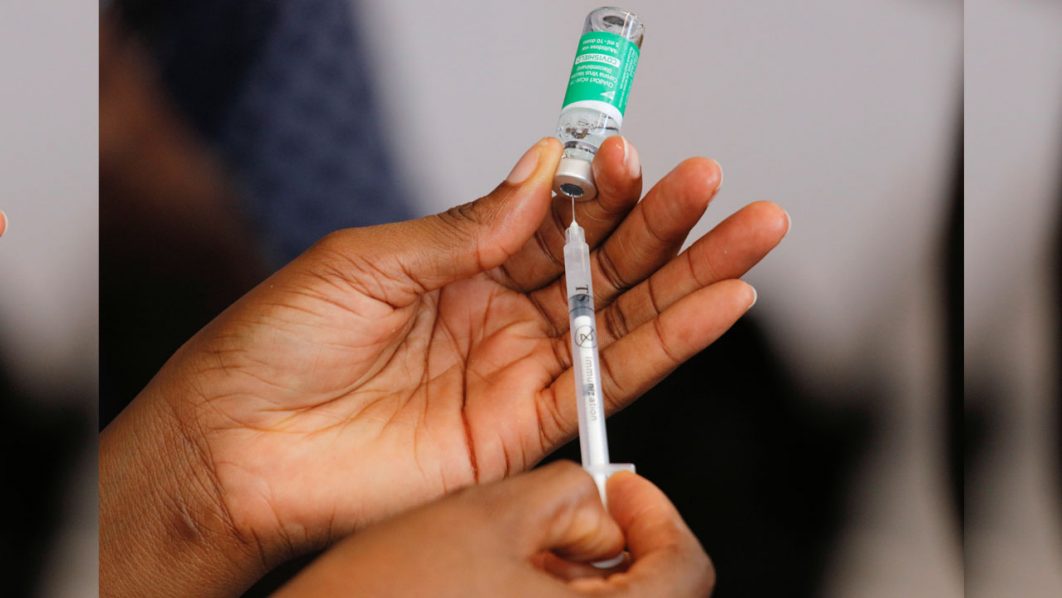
1011	256
48	176
49	274
846	113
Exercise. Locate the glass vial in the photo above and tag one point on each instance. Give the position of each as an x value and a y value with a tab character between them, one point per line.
596	99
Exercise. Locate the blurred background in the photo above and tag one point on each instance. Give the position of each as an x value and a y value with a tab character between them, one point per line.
897	319
49	288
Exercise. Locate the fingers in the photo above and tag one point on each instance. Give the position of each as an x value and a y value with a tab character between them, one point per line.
570	570
397	262
729	250
651	235
482	539
668	559
649	521
3	222
639	360
633	364
554	508
656	229
618	175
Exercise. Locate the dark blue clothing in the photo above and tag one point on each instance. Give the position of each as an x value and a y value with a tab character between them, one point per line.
283	92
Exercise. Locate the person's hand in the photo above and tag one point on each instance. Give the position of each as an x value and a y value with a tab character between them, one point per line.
390	365
3	223
532	535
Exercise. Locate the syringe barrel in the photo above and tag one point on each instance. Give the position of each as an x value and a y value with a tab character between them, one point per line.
593	439
577	263
586	367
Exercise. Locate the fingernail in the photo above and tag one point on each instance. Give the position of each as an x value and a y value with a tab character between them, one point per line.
524	167
3	222
720	167
630	158
788	221
755	295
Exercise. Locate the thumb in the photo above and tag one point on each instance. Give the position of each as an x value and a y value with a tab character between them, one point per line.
422	255
668	559
481	235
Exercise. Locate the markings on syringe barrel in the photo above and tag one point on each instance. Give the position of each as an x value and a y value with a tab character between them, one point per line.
590	391
581	304
592	412
585	338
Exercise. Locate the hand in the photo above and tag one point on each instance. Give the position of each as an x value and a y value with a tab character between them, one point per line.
532	535
390	365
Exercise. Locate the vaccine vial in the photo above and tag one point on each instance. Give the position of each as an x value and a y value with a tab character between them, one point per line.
596	99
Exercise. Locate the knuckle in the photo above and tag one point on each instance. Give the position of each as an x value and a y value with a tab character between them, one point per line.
473	502
568	473
611	272
701	570
616	322
459	219
562	469
465	211
476	213
612	387
707	577
332	243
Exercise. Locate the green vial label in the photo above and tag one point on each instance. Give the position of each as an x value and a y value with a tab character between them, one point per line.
603	70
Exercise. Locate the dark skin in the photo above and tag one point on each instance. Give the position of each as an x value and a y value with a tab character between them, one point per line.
530	535
391	365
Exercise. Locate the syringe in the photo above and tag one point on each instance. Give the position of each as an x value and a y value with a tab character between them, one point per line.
586	367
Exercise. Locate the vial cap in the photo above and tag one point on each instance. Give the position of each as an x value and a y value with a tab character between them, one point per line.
575	180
